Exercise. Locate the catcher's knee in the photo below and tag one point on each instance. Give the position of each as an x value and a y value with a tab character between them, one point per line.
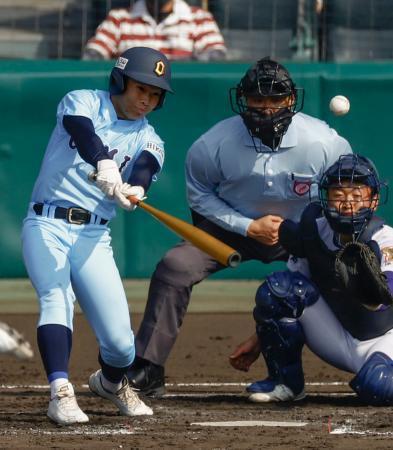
374	382
284	294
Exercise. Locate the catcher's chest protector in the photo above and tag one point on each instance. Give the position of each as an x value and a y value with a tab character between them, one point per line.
359	321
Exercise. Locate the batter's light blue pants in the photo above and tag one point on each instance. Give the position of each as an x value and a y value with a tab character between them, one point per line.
68	261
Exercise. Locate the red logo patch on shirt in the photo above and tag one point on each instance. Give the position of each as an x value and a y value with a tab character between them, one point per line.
301	187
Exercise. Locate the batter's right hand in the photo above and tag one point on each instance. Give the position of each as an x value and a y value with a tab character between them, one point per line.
125	190
265	229
108	176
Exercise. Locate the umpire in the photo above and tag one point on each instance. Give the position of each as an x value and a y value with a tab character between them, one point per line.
244	177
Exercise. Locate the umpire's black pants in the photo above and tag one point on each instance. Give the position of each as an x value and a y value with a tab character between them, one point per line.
170	287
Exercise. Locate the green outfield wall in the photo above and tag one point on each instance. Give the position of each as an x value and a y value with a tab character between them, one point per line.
30	91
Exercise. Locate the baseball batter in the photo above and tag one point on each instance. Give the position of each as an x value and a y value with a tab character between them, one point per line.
336	296
66	239
244	177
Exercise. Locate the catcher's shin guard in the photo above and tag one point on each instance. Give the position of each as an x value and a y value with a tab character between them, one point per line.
280	300
374	381
281	343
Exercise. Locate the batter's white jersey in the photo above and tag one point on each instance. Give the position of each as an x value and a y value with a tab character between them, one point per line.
325	335
63	178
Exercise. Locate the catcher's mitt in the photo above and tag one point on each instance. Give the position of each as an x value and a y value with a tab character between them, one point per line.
359	270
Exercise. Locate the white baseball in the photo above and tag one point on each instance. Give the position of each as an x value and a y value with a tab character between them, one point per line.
339	105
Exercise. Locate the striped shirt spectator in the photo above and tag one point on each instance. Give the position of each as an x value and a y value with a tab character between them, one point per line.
185	33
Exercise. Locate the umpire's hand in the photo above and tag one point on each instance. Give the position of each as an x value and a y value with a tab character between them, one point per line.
245	354
265	229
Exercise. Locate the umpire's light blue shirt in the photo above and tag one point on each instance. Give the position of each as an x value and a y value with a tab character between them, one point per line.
231	184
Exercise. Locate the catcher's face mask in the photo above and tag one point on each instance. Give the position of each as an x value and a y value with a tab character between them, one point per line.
266	98
349	193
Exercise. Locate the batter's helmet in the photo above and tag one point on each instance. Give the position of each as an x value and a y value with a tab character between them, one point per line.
355	170
266	78
141	64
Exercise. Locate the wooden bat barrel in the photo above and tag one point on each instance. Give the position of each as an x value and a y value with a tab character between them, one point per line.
221	252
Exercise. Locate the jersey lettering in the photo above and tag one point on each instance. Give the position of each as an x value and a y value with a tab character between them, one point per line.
125	161
153	147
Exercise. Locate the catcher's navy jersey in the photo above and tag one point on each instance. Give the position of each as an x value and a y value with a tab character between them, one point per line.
63	178
231	184
325	335
383	237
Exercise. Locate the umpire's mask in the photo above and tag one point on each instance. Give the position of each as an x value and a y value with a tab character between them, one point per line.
270	81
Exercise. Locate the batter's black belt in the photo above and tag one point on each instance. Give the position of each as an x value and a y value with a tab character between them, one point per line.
78	216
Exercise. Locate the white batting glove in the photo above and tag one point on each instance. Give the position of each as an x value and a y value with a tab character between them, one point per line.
108	176
125	190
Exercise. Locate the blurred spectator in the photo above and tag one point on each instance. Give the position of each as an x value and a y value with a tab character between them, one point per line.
180	31
319	6
13	343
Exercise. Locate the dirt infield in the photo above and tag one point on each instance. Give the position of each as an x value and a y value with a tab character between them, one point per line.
202	388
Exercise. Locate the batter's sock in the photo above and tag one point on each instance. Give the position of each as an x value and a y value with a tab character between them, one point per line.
55	342
112	374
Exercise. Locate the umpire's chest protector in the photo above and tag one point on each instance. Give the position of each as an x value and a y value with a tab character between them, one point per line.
359	321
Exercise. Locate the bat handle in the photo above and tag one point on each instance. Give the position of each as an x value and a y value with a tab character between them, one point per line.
92	177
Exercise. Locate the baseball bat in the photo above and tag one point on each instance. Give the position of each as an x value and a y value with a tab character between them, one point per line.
217	249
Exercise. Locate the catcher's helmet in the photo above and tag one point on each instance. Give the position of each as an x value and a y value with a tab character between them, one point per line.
141	64
355	170
266	78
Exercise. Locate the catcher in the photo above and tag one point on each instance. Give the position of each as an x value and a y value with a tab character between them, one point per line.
336	296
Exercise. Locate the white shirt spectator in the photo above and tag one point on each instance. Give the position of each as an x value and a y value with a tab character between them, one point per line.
186	33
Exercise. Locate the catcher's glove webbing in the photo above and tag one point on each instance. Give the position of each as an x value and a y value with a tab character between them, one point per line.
358	267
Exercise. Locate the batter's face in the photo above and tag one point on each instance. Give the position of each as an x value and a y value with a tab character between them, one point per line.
269	105
348	199
137	100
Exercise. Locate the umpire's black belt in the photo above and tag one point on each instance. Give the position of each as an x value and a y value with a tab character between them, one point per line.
78	216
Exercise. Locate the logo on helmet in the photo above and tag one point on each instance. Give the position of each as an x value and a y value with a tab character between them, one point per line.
159	70
121	63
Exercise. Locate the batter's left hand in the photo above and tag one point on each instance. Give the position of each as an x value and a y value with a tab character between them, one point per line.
125	190
245	354
108	176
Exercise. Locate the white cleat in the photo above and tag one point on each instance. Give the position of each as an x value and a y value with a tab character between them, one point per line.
13	343
280	393
125	398
63	408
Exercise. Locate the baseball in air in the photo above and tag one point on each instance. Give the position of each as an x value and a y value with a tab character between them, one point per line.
339	105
